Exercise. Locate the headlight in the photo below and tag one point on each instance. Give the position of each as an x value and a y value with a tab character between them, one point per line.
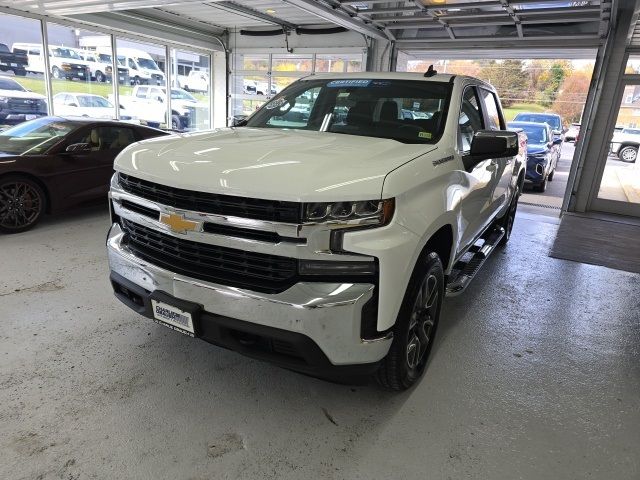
346	214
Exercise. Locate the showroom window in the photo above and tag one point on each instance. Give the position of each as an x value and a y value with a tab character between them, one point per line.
259	76
22	72
190	92
143	97
81	75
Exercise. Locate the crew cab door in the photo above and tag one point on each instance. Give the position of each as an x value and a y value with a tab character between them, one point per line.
501	194
477	206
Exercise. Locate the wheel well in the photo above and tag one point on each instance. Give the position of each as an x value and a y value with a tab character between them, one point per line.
441	242
47	195
627	144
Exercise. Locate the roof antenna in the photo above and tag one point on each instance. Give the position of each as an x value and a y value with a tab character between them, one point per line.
430	72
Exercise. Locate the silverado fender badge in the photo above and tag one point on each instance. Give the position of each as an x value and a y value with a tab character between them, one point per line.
442	160
177	223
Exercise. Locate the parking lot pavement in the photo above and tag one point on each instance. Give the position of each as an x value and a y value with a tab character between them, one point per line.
520	385
553	196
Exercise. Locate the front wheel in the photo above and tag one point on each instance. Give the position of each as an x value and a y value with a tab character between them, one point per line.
628	154
175	122
550	177
542	186
506	222
56	73
22	204
100	76
415	326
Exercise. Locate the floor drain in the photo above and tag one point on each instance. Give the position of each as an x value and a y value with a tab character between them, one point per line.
553	207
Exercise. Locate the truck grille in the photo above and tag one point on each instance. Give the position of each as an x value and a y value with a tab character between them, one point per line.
257	209
226	266
26	105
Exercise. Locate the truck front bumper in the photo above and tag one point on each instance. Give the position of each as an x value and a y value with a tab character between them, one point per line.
312	327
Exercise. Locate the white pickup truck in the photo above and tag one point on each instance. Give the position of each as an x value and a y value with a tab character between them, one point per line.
147	103
326	242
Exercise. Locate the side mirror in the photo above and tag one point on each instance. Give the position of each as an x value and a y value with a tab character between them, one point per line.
558	132
557	141
160	99
488	144
77	147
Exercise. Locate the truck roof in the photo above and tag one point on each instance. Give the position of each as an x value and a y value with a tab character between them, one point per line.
416	76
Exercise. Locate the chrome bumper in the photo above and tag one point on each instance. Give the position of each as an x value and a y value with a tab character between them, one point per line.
327	313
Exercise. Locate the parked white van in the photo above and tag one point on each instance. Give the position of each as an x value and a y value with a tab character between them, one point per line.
65	62
142	69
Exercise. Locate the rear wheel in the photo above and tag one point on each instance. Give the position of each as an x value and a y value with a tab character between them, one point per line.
100	77
56	73
628	154
175	122
21	72
415	327
22	204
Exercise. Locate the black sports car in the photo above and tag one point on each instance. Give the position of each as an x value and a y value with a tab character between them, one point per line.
52	163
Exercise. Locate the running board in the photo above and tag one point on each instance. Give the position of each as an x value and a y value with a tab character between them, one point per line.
469	265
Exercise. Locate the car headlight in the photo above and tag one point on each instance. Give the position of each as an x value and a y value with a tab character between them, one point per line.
346	214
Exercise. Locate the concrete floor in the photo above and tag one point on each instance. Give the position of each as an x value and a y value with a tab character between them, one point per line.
535	375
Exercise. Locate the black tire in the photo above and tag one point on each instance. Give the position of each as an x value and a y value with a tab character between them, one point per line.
506	222
100	77
136	81
20	72
22	204
175	122
550	177
628	154
417	322
55	73
542	186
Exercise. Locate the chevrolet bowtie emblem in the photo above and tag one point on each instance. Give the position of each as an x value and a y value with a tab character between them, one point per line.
177	222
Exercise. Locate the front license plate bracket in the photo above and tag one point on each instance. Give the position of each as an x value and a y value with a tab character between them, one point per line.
174	313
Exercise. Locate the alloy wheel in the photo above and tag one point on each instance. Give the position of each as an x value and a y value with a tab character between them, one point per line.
20	205
421	322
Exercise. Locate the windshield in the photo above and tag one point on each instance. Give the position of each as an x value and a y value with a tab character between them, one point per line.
104	58
535	134
65	53
147	63
7	84
552	120
93	101
35	136
631	131
181	95
408	111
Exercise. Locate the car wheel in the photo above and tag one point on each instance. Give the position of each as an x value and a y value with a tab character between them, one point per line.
100	77
20	72
550	177
55	72
415	327
542	186
175	122
136	80
506	222
628	154
22	204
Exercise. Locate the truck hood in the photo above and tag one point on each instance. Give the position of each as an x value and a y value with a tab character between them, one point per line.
276	164
19	94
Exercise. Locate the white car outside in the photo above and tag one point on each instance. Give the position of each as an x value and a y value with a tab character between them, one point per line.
196	81
87	105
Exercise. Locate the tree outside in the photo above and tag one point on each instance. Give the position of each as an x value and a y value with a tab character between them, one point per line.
559	86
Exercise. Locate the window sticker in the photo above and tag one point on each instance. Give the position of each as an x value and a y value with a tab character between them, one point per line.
278	102
348	83
426	135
